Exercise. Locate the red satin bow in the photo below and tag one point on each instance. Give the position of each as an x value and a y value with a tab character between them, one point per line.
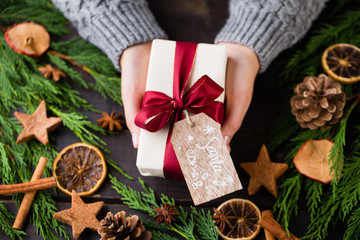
158	108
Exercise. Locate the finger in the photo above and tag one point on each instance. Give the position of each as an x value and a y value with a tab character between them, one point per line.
132	91
239	89
236	108
134	66
242	68
227	142
132	104
132	98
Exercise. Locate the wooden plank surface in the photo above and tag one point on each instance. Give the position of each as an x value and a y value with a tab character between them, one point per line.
185	20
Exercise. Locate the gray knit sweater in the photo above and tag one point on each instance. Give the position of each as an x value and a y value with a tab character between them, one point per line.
266	26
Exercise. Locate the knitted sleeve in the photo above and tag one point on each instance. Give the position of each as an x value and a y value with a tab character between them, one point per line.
269	26
112	25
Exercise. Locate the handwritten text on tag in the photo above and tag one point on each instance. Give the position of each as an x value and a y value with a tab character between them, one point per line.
204	159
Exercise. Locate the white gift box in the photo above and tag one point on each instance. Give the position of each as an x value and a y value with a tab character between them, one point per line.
210	60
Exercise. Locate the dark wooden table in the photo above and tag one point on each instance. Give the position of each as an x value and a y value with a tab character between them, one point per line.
185	20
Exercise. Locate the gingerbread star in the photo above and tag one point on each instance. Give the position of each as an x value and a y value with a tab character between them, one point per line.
80	215
263	172
36	125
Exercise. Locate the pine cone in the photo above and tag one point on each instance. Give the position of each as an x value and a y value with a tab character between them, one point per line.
119	227
318	102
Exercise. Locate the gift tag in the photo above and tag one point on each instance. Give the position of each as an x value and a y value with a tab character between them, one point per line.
208	169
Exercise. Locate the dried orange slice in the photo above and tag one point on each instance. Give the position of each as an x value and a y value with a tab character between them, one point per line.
237	219
80	167
342	62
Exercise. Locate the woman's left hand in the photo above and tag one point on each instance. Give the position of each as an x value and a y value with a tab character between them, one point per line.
242	68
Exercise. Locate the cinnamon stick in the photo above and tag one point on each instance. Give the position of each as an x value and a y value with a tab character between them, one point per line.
270	224
29	196
40	184
268	235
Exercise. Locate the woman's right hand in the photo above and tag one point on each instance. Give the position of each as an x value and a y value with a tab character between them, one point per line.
134	67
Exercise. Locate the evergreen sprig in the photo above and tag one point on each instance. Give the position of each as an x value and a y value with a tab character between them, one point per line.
22	88
353	231
86	54
39	214
328	205
204	224
74	75
39	11
336	159
185	224
193	224
97	65
338	205
157	235
289	195
6	225
314	192
306	61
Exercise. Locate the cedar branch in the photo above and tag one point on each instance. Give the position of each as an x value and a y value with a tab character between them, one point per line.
67	58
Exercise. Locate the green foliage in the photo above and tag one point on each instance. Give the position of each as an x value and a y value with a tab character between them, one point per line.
185	225
39	11
194	224
97	65
306	61
6	225
42	205
285	121
16	162
204	224
113	164
145	201
327	205
71	73
107	86
22	88
336	159
80	126
86	54
314	192
353	231
157	235
338	204
289	194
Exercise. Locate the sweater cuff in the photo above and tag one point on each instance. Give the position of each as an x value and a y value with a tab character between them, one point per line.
115	27
265	31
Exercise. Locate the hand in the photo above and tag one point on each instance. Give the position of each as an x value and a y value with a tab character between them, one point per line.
134	67
242	68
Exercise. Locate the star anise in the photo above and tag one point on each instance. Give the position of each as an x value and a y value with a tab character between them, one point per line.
221	219
111	121
166	214
50	72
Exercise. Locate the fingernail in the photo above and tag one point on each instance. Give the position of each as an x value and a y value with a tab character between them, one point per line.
227	140
135	140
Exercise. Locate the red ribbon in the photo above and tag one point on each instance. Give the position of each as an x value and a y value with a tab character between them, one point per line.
158	108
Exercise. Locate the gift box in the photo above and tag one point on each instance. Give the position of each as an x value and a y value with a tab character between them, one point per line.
180	76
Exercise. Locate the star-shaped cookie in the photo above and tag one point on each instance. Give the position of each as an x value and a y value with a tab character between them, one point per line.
36	125
263	172
80	215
